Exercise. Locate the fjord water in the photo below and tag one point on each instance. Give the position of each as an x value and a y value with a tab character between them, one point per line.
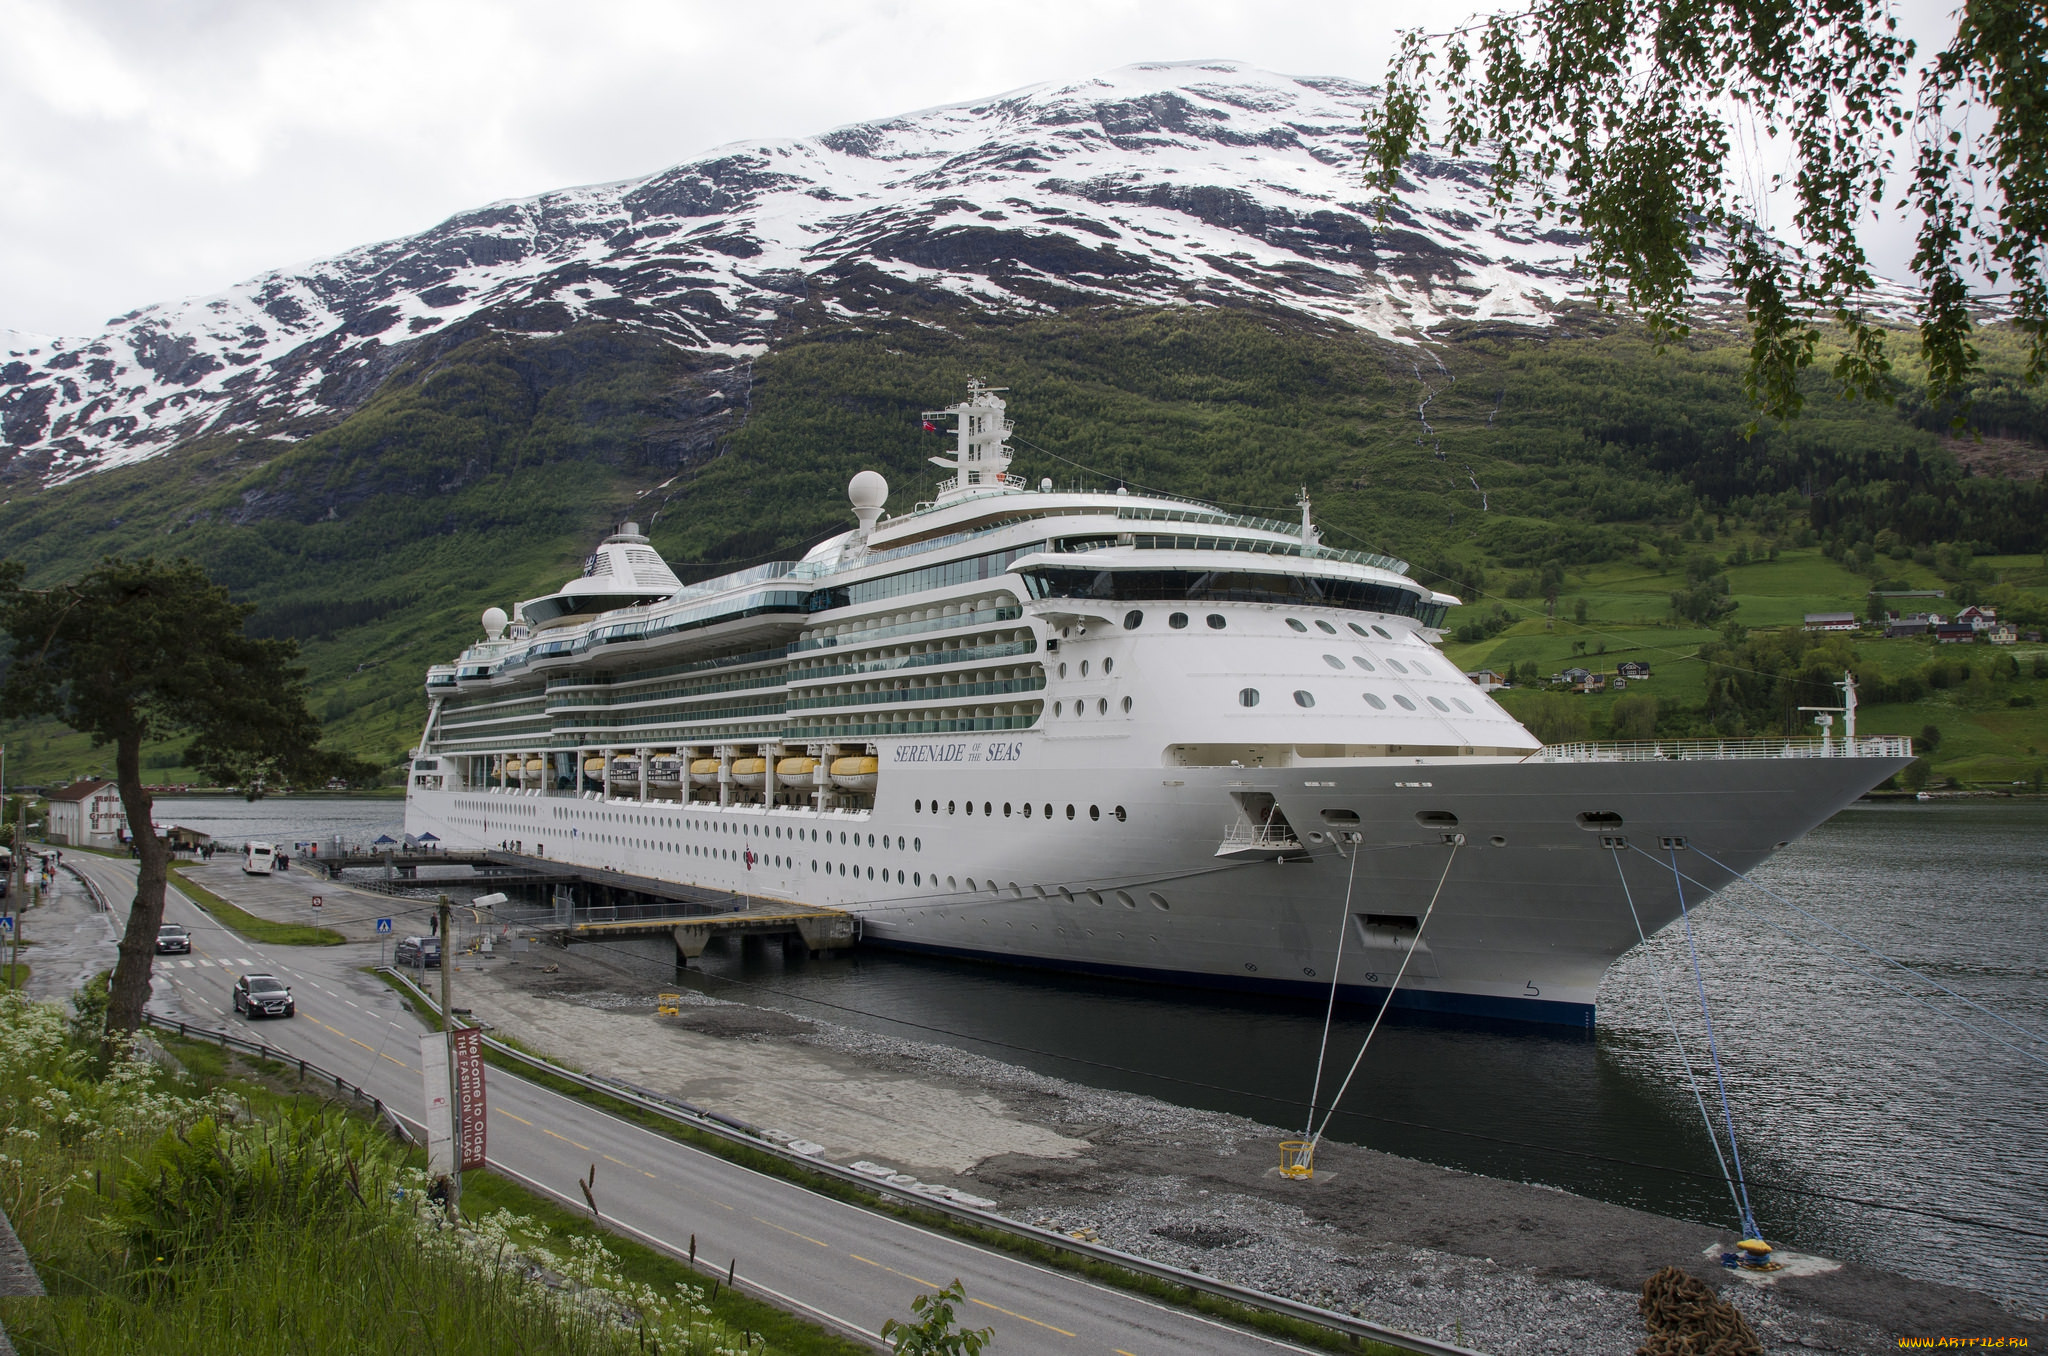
1872	1126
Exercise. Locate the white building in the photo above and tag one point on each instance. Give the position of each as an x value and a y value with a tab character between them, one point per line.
87	814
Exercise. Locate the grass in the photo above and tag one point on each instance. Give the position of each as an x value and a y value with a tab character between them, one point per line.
248	924
995	1239
1986	741
13	974
224	1208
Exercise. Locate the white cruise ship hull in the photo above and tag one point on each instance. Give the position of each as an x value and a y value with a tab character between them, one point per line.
1529	912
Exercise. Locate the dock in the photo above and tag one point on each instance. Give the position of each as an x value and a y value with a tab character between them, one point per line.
566	903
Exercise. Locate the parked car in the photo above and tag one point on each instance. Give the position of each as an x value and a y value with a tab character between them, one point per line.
263	996
419	952
173	938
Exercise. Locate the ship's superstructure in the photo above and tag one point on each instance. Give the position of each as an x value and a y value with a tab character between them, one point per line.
1110	732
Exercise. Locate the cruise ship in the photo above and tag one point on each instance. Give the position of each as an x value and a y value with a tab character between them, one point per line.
1117	733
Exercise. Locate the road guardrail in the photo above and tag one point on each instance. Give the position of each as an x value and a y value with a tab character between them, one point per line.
985	1219
307	1069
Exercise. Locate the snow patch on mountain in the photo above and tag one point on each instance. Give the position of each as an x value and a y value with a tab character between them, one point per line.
1191	183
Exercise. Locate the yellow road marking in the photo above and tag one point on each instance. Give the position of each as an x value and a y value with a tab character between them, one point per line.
515	1116
999	1309
629	1167
891	1270
353	1041
565	1139
1120	1351
791	1232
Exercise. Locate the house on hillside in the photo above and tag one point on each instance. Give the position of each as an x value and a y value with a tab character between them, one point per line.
1907	626
1582	680
87	814
1978	618
1954	633
1635	670
1488	680
2004	635
1831	621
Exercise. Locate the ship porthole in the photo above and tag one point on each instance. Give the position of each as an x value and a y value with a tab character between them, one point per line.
1383	633
1248	696
1133	620
1297	624
1127	706
1216	621
1119	814
1006	809
1178	621
1102	706
1403	702
1059	708
1438	703
1304	698
1070	812
1095	812
1498	841
1356	627
1333	661
1325	627
1374	702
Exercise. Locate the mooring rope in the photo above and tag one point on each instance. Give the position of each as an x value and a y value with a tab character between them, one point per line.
1330	1013
1684	1057
1713	1048
1854	940
1317	1138
1878	980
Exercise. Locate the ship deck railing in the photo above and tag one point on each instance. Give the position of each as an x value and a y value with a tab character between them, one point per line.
1241	835
1683	750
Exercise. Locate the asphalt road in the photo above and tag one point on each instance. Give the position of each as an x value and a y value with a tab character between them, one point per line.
844	1266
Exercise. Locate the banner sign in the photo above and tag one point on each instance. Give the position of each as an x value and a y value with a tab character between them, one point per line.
440	1108
469	1087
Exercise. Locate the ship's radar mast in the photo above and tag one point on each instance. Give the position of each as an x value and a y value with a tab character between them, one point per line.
981	456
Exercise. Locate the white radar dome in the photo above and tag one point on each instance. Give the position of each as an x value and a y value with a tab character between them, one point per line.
869	492
494	622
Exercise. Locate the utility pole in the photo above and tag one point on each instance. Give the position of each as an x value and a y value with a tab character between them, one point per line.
17	892
448	1041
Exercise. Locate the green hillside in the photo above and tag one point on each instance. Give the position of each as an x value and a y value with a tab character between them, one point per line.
1513	467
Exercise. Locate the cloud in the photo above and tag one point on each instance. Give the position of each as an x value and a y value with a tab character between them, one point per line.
160	150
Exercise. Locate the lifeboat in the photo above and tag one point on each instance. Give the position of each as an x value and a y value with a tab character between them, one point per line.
625	770
751	773
854	773
536	768
594	766
665	772
704	772
797	768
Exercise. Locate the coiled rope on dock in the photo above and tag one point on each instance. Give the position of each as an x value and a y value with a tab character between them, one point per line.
1686	1318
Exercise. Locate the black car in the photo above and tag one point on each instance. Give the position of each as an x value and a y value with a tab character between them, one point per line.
263	996
173	938
420	952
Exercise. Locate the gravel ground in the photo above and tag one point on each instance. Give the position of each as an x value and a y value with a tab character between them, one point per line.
1502	1267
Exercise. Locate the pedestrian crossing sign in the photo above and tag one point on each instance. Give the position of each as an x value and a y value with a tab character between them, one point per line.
383	925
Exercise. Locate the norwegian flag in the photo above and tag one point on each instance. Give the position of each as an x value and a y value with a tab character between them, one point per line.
930	427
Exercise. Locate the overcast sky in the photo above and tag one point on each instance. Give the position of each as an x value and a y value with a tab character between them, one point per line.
151	149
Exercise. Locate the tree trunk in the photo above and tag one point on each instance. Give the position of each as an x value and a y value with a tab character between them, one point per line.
129	991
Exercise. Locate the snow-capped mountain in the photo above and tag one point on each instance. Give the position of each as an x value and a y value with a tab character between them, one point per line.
1174	183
